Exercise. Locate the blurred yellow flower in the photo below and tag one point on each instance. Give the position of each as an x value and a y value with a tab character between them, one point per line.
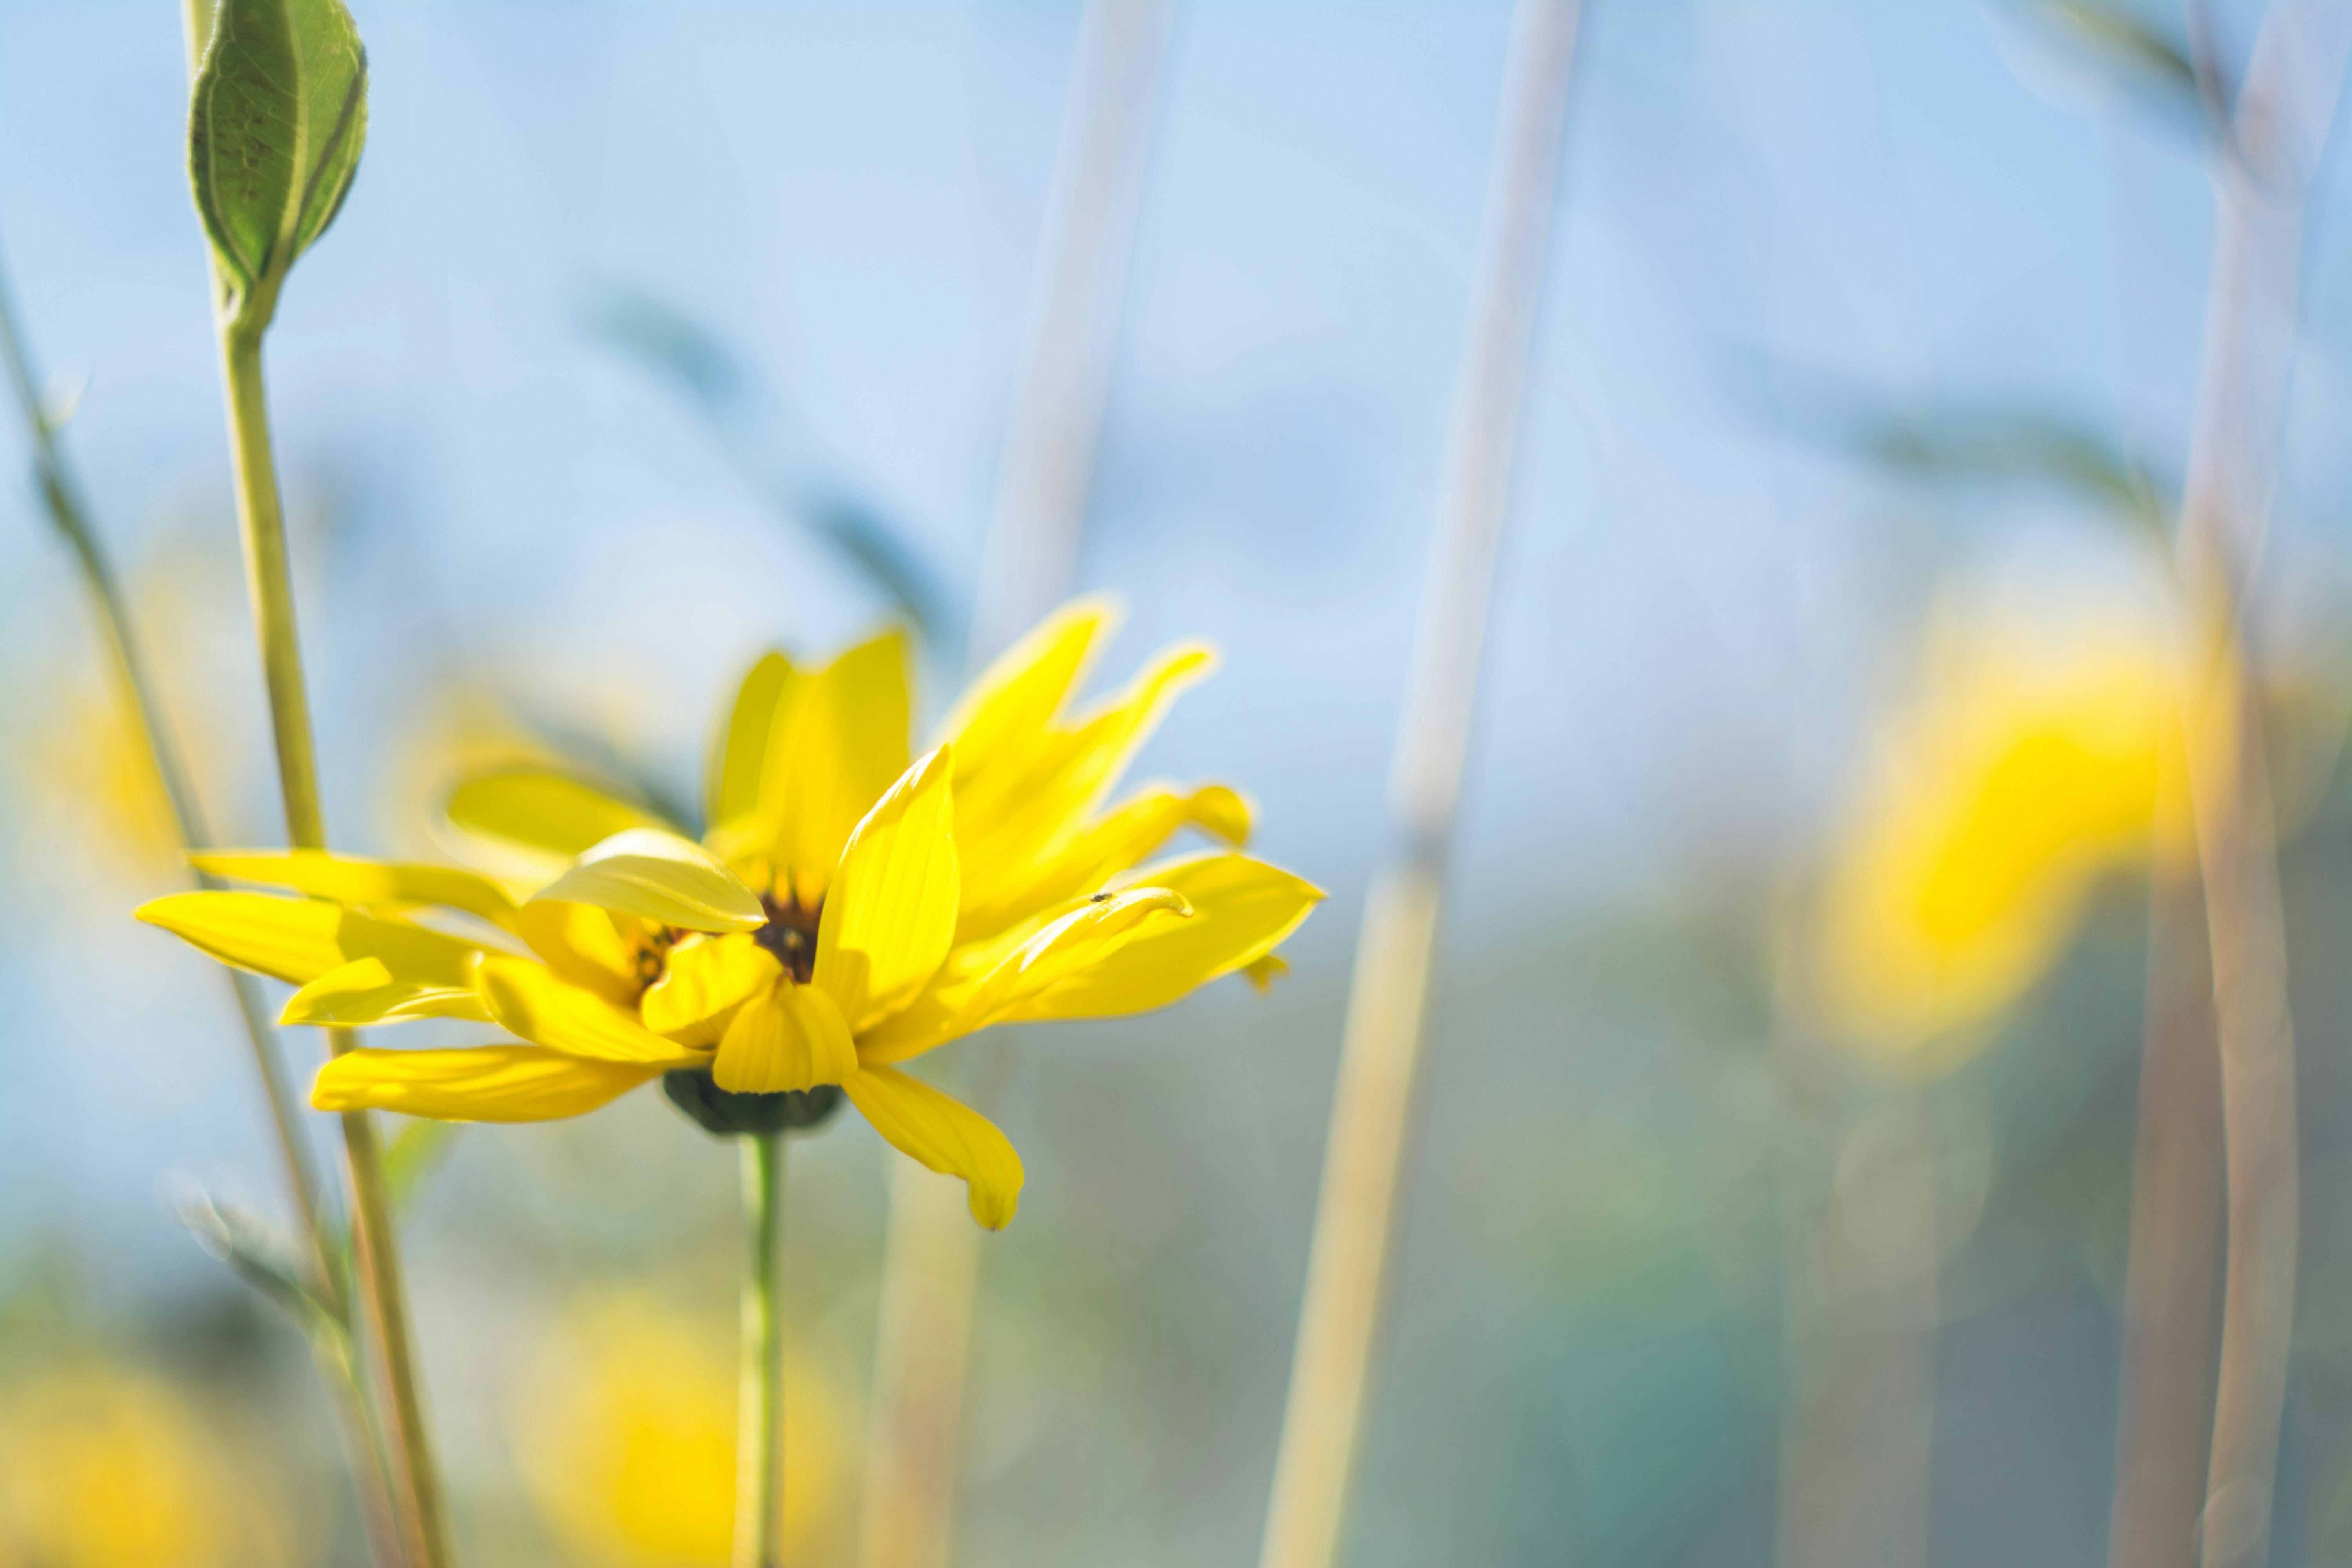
625	1432
86	780
847	911
2033	760
105	1467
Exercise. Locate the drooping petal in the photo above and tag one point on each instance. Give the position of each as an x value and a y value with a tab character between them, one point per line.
838	742
1010	820
791	1038
1016	697
890	917
1113	843
656	875
365	991
298	940
1066	946
703	986
530	1000
742	747
943	1133
348	879
487	1083
1241	910
539	820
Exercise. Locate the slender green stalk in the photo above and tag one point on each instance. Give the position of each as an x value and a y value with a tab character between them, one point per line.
759	1409
377	1247
329	1344
128	664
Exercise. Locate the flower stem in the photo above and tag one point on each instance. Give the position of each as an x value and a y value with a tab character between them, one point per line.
759	1410
262	520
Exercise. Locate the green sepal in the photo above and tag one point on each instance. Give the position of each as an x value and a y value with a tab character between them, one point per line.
276	122
723	1113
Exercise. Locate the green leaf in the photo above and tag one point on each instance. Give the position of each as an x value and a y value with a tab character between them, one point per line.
276	124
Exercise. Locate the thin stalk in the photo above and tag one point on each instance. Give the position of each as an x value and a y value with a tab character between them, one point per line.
127	664
2174	1249
2272	144
760	1397
377	1247
930	1278
423	1521
62	495
1862	1312
1387	1006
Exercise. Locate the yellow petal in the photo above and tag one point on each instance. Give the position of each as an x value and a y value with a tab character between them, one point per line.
656	874
350	880
1113	843
1012	817
298	940
487	1083
586	946
1240	909
703	984
943	1133
286	939
891	915
1067	945
791	1038
541	819
839	739
1017	695
366	991
529	1000
743	749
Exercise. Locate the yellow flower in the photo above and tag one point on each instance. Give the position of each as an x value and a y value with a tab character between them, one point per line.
627	1439
2029	765
847	911
104	1468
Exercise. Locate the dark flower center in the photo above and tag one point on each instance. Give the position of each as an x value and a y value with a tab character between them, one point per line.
791	934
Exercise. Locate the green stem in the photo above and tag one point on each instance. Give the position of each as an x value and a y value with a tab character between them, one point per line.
269	574
759	1411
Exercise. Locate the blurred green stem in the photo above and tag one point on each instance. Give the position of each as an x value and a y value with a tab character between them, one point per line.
262	520
128	663
329	1342
759	1410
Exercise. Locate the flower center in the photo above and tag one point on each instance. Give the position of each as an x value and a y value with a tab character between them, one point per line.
791	934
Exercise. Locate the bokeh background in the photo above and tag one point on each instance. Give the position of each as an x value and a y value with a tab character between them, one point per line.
1869	348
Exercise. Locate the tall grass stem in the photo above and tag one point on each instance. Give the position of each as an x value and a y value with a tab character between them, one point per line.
2283	113
2174	1254
931	1274
1387	1006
